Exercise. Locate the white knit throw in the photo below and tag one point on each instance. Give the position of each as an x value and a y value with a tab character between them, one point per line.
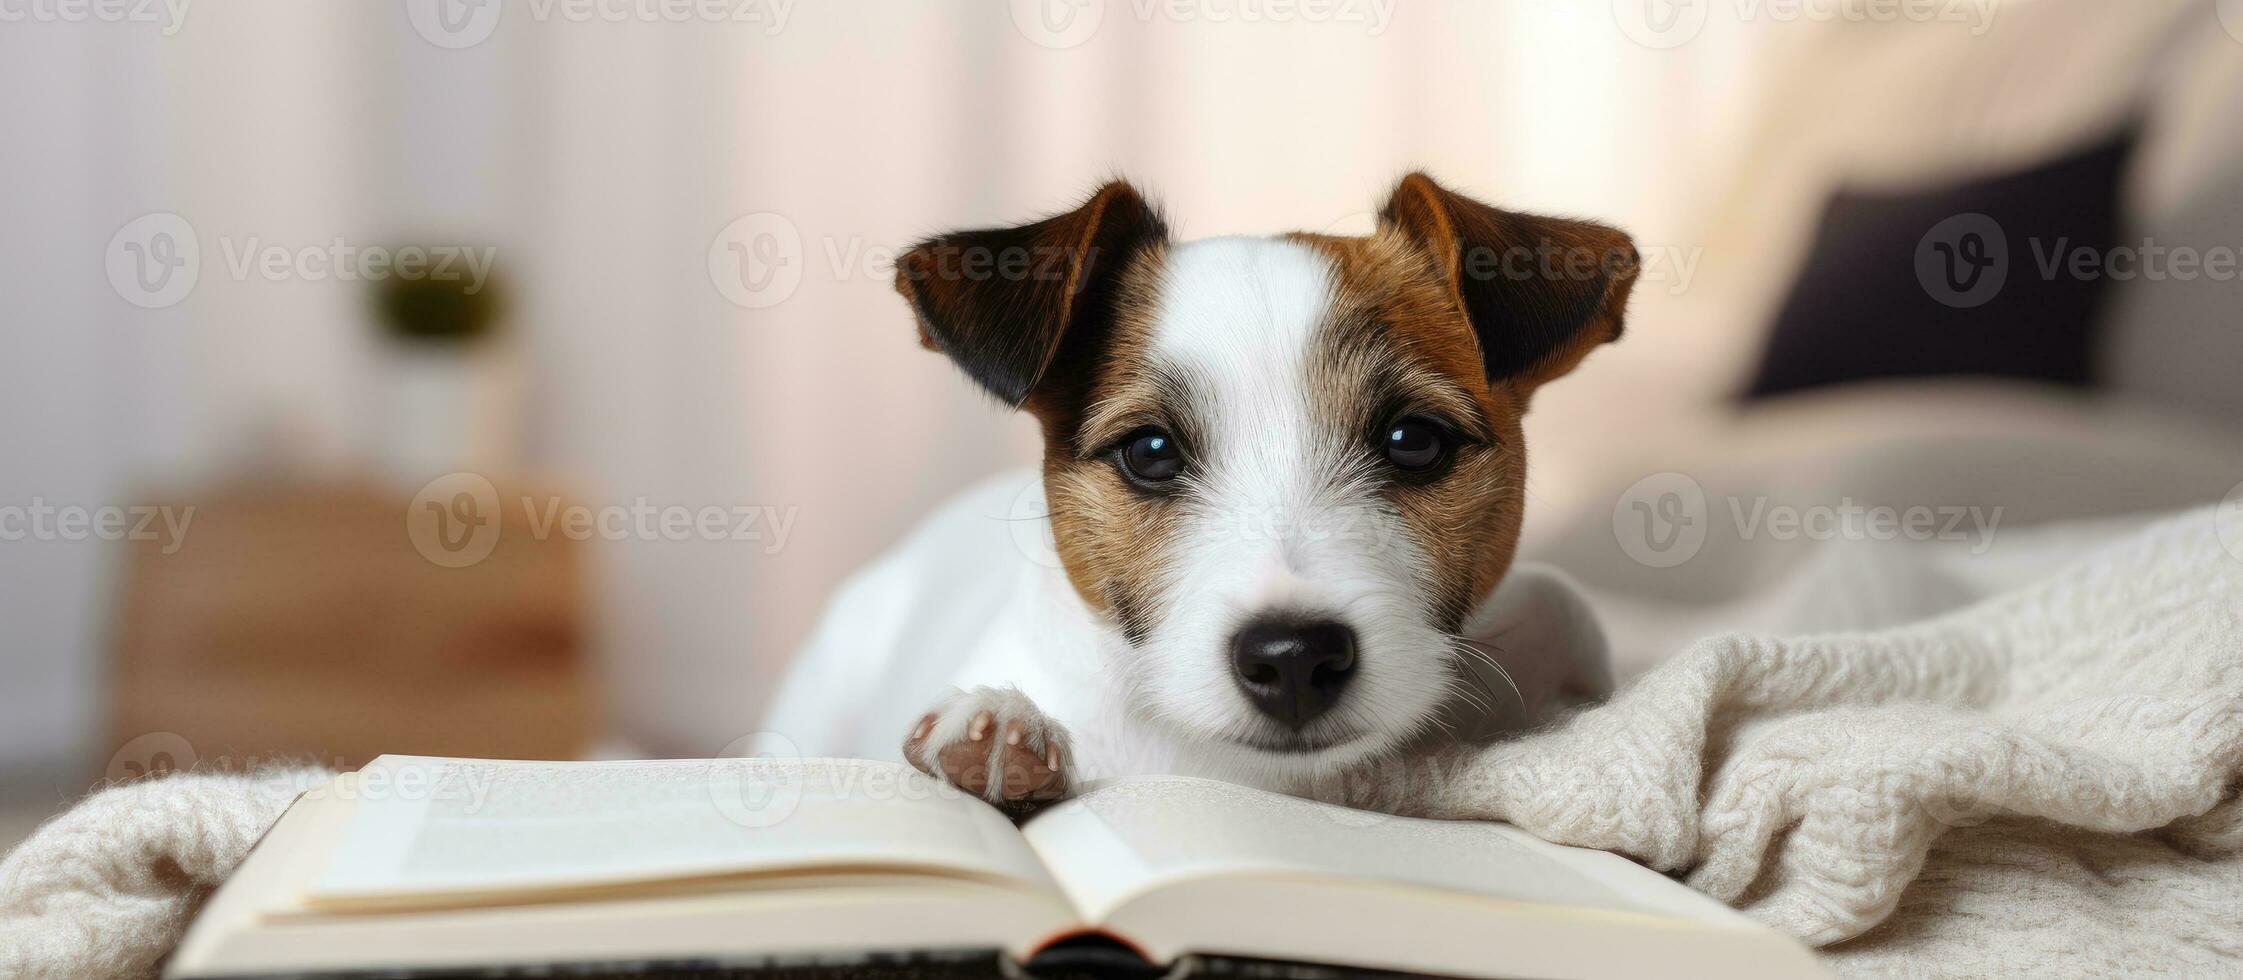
2045	782
105	890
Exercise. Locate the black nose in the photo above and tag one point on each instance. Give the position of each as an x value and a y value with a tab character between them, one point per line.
1293	669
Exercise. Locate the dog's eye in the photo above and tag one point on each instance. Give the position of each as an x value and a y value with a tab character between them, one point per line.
1415	444
1152	457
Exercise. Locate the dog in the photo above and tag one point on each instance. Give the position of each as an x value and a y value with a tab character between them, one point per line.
1284	480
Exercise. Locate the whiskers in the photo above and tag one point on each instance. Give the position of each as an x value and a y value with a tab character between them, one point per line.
1474	652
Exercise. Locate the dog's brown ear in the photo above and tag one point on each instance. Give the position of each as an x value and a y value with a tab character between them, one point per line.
1540	292
999	301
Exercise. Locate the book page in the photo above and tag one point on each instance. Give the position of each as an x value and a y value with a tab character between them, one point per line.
1179	866
1126	838
432	827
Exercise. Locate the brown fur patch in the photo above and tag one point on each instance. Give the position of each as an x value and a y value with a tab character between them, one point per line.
1416	328
1397	343
1022	309
1111	537
1540	293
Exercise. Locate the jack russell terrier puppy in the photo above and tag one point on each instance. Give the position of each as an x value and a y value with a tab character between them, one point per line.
1283	479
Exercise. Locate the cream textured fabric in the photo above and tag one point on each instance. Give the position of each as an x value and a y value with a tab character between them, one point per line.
104	890
2044	780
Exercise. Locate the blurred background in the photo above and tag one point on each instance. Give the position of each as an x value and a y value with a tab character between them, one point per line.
517	378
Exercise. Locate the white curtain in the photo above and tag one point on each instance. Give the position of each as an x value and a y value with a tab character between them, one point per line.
602	158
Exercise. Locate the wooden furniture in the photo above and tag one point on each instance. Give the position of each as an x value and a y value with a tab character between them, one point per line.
299	620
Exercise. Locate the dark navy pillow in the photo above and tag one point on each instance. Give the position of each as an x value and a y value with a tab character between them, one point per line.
1999	276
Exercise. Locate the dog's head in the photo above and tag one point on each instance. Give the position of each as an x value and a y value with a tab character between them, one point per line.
1283	469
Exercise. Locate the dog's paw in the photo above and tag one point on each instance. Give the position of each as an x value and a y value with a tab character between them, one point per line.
994	743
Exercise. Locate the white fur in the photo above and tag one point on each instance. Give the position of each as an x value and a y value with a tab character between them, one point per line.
975	598
1279	514
1279	517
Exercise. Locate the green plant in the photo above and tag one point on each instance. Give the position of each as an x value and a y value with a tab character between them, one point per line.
429	309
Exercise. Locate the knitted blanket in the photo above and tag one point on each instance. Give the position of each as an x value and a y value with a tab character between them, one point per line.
2044	781
105	890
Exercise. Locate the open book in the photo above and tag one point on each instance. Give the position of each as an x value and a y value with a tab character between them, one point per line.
421	867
